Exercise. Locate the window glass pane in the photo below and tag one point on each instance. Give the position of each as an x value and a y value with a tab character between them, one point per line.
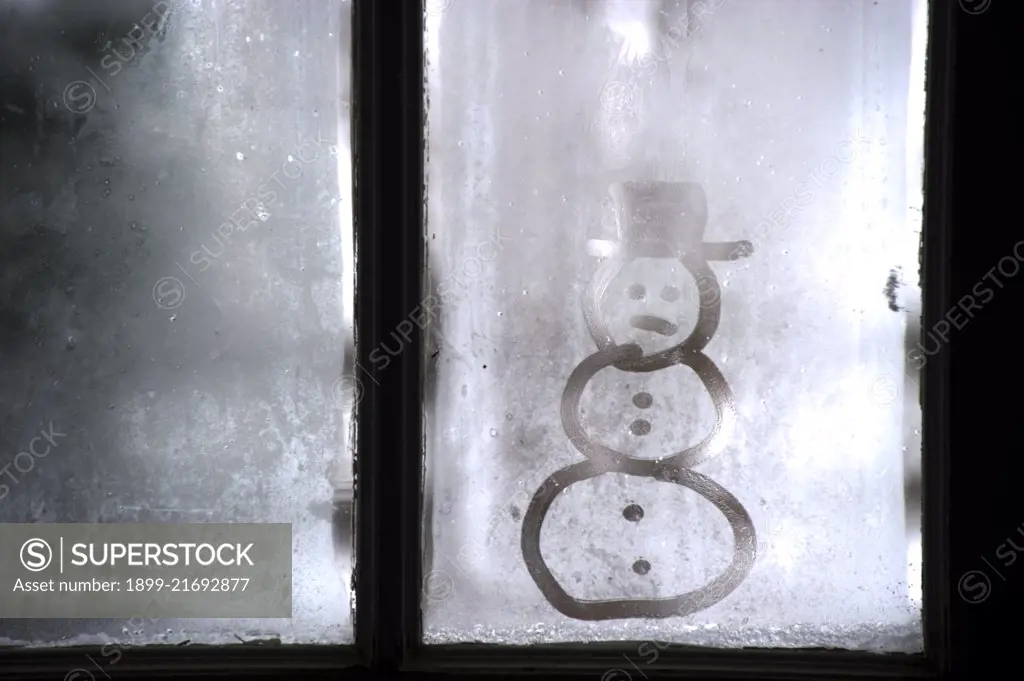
675	353
175	215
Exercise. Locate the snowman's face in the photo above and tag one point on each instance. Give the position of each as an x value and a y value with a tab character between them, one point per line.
652	302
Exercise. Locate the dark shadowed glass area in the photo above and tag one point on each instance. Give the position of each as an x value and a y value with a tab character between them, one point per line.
175	219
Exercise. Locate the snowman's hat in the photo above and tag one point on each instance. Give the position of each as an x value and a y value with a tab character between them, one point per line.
655	220
661	220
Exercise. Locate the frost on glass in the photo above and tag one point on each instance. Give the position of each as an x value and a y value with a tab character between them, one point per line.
672	388
175	217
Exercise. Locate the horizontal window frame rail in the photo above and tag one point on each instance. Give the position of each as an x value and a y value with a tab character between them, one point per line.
574	660
250	660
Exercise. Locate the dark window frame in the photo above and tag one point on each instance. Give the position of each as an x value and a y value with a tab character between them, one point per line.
388	147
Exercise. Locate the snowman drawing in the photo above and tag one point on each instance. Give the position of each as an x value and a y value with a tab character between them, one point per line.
663	221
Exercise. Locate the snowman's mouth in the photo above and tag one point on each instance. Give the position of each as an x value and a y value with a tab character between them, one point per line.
646	322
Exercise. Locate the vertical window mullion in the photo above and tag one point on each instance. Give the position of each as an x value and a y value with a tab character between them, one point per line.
388	138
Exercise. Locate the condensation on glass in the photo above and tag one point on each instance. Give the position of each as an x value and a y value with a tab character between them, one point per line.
174	272
672	388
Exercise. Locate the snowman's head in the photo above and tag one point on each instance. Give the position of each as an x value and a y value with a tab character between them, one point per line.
654	303
653	290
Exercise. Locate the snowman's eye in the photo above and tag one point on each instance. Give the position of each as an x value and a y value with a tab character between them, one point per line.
670	294
637	291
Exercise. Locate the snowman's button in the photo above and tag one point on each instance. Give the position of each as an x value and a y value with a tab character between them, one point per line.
641	567
643	400
640	427
634	513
